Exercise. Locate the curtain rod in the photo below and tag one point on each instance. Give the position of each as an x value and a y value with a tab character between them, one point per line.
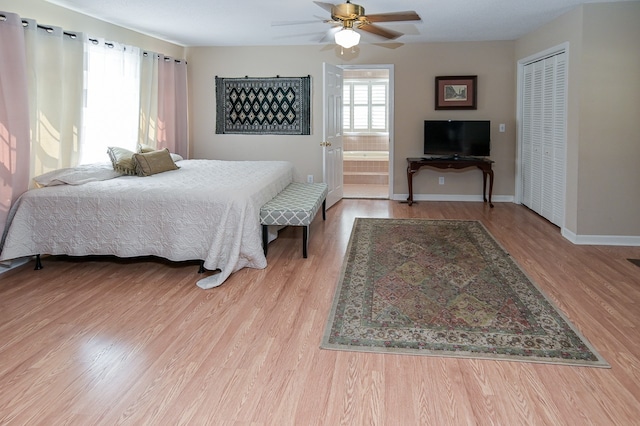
106	43
42	27
166	58
25	24
49	29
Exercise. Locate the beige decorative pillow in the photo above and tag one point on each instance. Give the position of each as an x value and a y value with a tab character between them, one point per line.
122	160
143	148
150	163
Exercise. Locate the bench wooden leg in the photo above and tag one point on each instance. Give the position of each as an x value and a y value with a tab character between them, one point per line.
265	238
305	238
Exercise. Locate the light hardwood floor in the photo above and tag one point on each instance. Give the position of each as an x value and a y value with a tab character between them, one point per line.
109	341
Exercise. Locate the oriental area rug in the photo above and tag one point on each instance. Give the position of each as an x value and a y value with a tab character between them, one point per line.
445	288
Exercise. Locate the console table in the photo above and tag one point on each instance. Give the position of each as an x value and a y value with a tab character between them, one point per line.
415	164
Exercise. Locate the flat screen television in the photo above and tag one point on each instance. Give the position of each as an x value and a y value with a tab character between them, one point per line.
455	138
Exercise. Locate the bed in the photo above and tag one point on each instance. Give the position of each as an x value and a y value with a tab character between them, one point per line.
207	210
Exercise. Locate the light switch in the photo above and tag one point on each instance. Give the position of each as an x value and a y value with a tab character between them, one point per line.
502	127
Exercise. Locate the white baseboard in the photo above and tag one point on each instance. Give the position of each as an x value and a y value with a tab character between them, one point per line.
601	240
447	197
7	265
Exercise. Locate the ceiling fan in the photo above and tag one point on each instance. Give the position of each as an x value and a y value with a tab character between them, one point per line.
349	17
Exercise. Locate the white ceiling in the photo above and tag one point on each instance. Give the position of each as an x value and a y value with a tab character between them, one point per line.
251	22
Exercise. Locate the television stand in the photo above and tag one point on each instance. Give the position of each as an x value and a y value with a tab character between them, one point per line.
415	164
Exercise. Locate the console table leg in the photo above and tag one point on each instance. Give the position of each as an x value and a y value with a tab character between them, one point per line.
490	187
410	183
484	185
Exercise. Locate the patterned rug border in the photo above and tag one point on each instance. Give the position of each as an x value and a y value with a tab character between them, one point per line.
600	363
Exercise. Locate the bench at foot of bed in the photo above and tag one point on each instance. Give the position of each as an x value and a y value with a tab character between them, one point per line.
296	205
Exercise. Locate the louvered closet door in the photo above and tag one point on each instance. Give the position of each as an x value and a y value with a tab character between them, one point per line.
527	106
559	139
543	137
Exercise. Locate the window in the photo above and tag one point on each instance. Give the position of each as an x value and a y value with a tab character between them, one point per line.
112	100
365	106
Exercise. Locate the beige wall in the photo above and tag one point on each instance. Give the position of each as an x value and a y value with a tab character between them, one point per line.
415	68
603	128
49	14
609	187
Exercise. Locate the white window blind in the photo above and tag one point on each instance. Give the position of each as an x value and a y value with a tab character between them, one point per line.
365	106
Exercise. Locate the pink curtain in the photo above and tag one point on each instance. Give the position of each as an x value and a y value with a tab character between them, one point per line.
182	118
14	114
170	126
166	104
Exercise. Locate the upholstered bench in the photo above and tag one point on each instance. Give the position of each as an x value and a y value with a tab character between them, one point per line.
296	205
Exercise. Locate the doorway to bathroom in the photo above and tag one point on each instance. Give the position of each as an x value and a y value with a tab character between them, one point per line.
367	130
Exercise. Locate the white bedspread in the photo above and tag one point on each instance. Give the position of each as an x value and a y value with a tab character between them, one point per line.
77	175
207	210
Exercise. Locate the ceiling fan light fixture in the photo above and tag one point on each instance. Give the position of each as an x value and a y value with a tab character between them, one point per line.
347	38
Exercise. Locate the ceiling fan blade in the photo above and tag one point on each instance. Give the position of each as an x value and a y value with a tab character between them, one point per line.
325	6
329	36
379	31
389	45
408	15
286	23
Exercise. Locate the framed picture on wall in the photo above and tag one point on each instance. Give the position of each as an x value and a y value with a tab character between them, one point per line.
457	92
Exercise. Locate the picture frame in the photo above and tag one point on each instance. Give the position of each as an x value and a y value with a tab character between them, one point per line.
456	92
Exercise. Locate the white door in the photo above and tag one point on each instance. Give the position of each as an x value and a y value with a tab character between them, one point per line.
332	133
543	137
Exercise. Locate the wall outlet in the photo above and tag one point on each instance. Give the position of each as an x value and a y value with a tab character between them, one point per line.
309	178
441	180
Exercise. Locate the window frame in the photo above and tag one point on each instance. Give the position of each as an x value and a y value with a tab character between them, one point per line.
369	82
